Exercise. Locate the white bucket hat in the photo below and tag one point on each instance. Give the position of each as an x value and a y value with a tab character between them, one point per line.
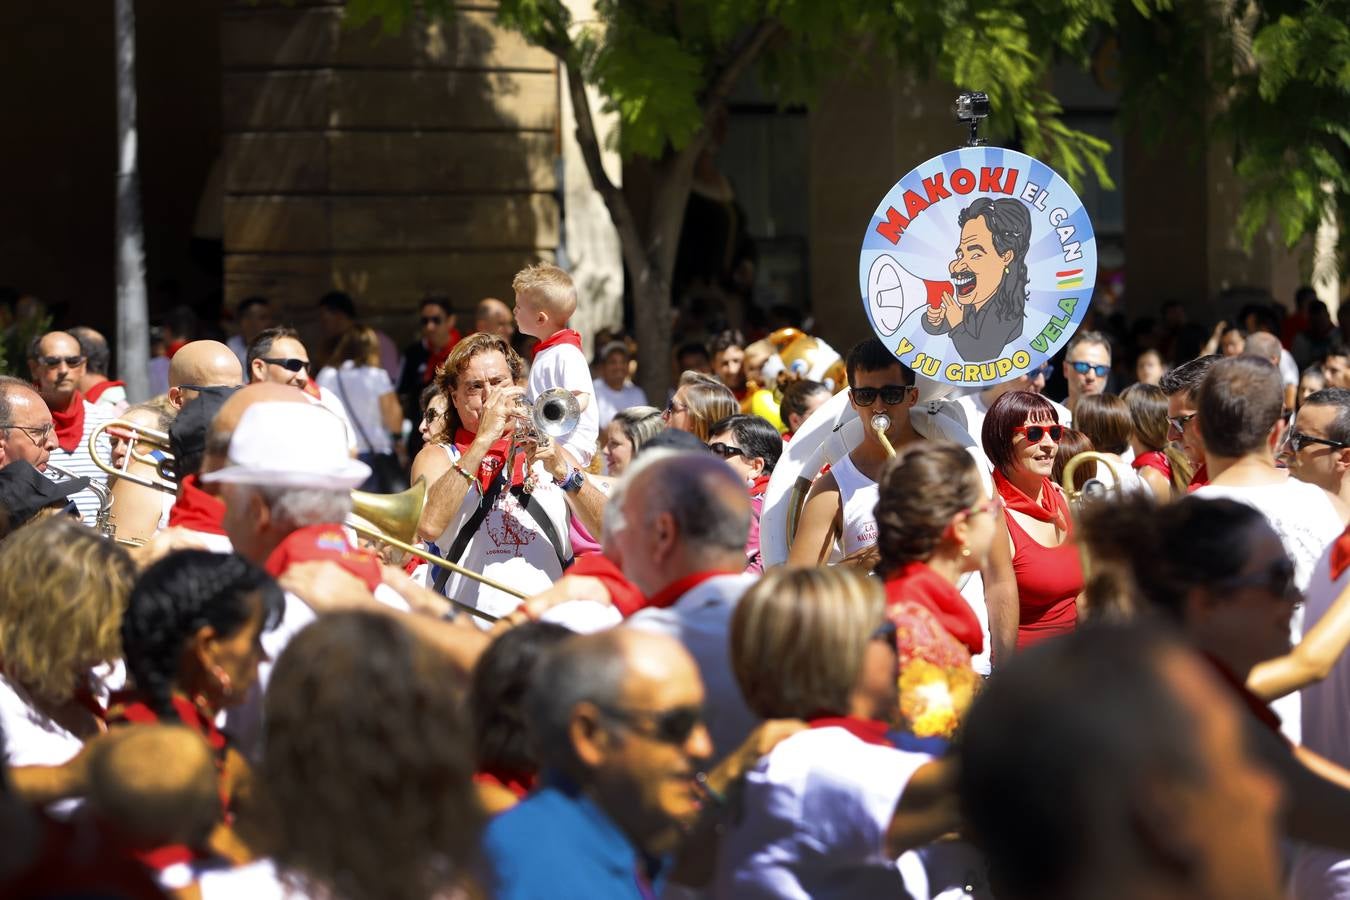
290	445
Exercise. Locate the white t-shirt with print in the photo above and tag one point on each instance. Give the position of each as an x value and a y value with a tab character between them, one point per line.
508	547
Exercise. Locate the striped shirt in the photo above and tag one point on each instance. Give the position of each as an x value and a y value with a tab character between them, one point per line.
80	464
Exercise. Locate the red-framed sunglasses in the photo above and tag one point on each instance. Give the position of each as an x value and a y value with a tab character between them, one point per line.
1034	433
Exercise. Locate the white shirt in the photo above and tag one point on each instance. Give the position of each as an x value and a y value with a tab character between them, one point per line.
1302	515
359	390
257	881
814	816
508	547
1322	873
80	464
1288	368
564	366
329	401
611	402
858	500
31	737
701	620
236	343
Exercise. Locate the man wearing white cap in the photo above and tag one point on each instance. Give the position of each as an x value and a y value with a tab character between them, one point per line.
287	489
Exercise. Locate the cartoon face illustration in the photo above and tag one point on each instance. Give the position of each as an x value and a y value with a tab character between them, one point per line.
978	269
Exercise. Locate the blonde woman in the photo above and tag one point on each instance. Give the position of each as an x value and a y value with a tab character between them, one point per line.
698	402
814	644
63	590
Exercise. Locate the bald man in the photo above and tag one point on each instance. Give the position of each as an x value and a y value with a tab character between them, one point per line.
494	317
202	364
96	386
56	364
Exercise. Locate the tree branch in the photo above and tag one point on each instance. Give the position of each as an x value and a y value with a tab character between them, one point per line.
737	61
630	236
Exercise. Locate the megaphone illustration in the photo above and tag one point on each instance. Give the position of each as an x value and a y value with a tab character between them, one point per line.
893	292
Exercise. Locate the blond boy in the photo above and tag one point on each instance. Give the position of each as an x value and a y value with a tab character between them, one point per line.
545	301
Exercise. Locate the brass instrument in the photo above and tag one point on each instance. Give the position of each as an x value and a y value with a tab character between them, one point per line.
138	434
554	414
394	519
103	519
1093	488
880	424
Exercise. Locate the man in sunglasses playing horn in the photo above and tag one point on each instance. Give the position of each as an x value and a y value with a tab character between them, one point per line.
57	365
841	501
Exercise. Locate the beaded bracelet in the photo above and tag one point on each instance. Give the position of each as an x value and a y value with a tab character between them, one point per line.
467	477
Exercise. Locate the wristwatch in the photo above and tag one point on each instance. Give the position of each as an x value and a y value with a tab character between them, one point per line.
573	482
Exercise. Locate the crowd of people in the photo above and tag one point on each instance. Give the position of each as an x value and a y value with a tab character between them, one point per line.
1043	639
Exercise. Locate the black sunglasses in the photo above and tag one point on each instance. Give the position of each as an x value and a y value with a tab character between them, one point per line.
1034	433
726	451
290	365
670	726
891	394
1180	422
52	362
1298	440
432	320
1082	368
1278	578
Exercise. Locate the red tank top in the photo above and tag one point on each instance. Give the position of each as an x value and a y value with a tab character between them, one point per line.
1049	580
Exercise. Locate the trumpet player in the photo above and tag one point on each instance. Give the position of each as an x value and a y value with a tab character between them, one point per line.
840	504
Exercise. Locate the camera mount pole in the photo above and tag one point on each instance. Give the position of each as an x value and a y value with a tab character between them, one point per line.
971	107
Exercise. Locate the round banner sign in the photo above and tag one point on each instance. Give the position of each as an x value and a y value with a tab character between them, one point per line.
977	266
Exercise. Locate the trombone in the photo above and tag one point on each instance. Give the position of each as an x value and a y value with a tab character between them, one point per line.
393	520
103	519
1093	488
138	434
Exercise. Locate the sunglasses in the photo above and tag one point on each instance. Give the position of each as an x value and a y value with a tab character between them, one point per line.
988	506
1034	433
1044	371
1278	578
432	320
672	407
52	362
290	365
1179	423
1298	440
891	394
1083	368
726	451
670	726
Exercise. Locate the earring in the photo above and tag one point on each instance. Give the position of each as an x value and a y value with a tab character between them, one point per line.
965	552
222	681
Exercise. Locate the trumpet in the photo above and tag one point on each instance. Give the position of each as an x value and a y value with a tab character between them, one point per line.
138	434
881	423
554	414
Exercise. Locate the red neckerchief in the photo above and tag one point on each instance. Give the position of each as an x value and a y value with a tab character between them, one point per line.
97	390
1199	479
917	582
135	710
312	389
437	358
625	596
869	731
1154	459
70	423
1340	555
761	484
324	542
493	461
1052	508
196	510
681	586
1254	704
174	347
518	783
557	339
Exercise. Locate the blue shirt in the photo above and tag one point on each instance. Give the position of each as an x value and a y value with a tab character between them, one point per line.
556	844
